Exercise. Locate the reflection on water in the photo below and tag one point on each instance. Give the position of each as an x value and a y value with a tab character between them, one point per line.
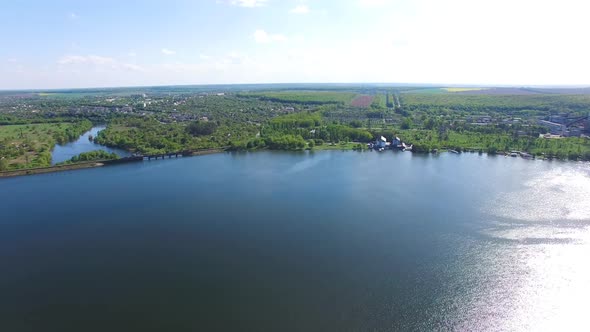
312	161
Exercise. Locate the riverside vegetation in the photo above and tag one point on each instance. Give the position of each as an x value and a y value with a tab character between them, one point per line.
30	145
91	156
171	119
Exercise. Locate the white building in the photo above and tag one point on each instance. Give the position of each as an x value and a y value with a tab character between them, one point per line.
381	142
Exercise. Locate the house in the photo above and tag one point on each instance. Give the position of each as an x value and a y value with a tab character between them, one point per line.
574	132
554	128
557	119
396	143
381	143
484	119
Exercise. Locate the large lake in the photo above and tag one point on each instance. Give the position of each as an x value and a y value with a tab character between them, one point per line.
325	241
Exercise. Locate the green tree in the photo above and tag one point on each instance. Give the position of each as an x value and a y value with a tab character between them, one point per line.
3	164
356	124
429	123
200	128
406	123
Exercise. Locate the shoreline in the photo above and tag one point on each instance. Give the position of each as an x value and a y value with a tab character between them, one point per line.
87	165
102	163
51	169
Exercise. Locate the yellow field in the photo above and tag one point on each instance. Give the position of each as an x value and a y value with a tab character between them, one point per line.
463	89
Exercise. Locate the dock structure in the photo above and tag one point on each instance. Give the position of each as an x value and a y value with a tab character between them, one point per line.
163	156
169	155
178	154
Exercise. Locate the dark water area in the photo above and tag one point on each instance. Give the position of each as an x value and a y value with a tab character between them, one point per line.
276	241
66	151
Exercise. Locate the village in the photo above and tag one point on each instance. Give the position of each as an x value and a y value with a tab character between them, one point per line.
557	125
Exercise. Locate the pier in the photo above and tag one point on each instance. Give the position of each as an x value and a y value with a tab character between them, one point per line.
169	155
185	153
163	156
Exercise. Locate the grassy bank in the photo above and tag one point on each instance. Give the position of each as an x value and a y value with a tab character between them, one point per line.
51	169
29	146
337	146
70	166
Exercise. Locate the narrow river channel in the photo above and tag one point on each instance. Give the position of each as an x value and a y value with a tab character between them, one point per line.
83	144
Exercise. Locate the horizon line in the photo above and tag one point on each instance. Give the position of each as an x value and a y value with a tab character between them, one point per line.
396	84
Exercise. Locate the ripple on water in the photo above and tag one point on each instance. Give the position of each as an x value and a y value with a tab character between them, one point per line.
561	193
537	278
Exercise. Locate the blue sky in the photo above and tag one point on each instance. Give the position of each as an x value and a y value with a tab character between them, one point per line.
68	44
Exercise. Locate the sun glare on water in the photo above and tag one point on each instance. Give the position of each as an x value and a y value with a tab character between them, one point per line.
562	193
547	226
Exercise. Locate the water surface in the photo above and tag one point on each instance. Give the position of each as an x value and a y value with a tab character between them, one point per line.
66	151
326	241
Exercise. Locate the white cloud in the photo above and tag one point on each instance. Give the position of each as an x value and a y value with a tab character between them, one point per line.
131	67
73	16
301	9
132	54
168	52
234	58
373	3
90	59
12	60
263	37
434	40
95	61
249	3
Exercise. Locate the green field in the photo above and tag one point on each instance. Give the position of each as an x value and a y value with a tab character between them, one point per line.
497	103
379	101
303	97
462	89
25	146
427	91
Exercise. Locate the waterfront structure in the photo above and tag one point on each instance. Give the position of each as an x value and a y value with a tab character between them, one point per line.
381	143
